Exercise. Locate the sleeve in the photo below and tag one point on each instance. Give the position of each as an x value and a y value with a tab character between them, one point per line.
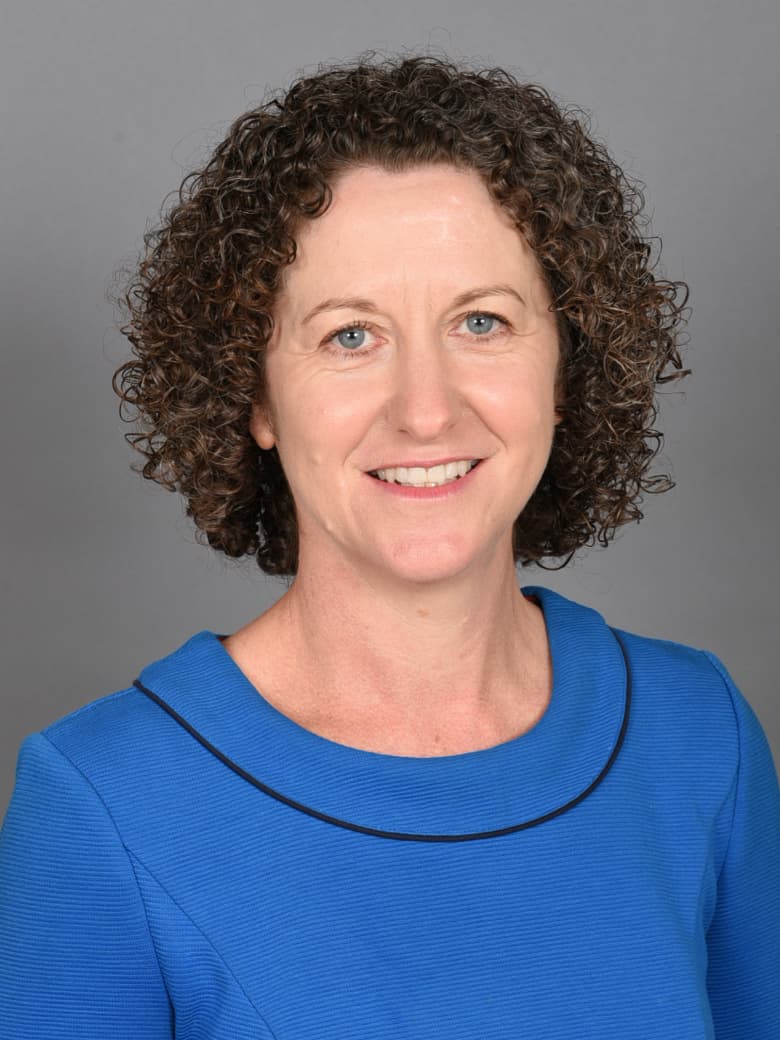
76	956
743	941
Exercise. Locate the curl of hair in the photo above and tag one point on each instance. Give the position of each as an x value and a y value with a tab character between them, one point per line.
200	302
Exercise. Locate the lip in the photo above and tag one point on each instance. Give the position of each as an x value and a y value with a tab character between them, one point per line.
455	487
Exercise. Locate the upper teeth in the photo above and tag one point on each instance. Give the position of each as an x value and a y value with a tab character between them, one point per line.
419	476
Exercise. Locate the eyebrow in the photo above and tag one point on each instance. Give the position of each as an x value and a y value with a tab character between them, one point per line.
360	303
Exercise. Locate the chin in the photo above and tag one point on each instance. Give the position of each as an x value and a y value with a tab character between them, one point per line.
422	561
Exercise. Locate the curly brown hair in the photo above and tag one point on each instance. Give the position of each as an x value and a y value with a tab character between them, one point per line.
200	302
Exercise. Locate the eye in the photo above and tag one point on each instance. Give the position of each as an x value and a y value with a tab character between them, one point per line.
484	324
351	338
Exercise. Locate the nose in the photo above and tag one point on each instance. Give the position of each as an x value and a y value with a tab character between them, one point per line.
425	401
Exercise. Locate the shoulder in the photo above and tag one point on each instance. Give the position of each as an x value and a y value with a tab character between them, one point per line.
691	679
117	742
101	753
686	685
680	694
119	759
690	707
111	729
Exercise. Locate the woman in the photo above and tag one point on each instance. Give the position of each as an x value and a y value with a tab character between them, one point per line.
400	334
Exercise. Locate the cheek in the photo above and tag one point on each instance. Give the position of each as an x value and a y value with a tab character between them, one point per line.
345	402
519	398
322	420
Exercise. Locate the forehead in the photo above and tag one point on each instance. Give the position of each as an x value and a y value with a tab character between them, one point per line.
435	188
431	223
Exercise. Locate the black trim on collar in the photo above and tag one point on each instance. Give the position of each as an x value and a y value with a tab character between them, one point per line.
397	835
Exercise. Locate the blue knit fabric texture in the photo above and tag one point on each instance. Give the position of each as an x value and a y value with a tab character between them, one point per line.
181	859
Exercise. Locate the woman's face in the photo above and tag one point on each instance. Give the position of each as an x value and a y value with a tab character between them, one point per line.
412	330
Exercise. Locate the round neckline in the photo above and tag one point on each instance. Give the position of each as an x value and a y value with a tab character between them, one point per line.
527	777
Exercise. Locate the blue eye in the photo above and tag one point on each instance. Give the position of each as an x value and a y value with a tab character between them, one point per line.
480	322
350	340
353	337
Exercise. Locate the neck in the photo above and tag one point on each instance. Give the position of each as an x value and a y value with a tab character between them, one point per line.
400	656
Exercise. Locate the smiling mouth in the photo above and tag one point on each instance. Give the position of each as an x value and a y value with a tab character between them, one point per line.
419	476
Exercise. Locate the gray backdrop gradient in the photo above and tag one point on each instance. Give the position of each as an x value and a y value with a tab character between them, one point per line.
105	106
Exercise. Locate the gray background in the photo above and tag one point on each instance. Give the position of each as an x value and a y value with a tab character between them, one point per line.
105	106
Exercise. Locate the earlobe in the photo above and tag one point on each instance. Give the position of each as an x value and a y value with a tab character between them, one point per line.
261	429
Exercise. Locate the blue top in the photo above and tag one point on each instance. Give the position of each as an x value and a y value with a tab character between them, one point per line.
189	860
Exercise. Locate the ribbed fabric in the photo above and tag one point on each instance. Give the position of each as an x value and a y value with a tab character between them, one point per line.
189	861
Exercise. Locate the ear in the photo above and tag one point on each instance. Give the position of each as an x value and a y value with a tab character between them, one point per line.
261	427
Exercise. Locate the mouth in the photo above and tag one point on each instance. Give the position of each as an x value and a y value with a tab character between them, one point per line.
425	477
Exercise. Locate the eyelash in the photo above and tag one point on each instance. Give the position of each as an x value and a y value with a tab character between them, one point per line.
362	351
